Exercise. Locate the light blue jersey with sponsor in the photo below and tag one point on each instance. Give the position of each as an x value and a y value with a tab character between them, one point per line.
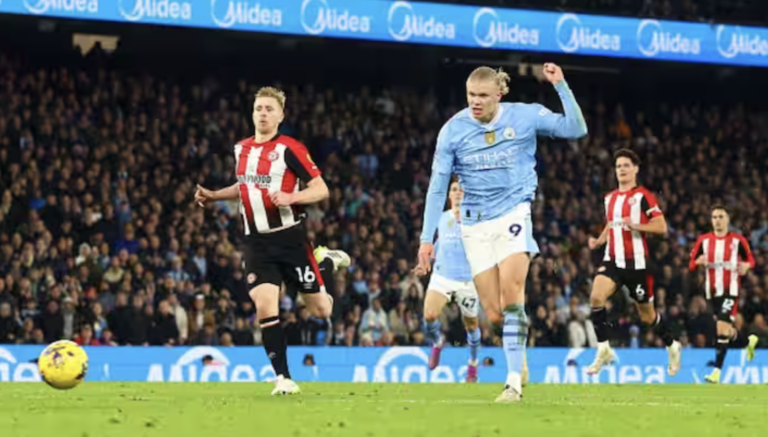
496	161
451	259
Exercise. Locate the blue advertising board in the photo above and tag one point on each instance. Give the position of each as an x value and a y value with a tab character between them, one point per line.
433	23
372	364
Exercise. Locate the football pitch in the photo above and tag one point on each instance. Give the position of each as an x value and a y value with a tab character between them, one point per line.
367	410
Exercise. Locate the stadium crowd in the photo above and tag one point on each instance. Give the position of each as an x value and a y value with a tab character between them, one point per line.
101	242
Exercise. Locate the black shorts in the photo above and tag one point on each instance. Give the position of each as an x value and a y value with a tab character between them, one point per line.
284	256
725	308
639	282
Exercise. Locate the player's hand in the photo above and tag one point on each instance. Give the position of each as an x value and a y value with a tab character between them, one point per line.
743	268
426	255
553	73
280	198
593	243
418	271
701	260
203	196
628	223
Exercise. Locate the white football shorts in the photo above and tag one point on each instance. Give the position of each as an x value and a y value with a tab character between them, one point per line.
464	293
489	243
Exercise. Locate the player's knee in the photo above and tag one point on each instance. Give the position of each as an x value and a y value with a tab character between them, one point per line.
430	316
596	301
470	323
513	287
495	318
265	298
647	315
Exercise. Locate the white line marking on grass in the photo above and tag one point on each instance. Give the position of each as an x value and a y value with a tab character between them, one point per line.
534	402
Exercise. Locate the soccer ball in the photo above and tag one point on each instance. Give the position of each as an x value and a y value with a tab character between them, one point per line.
63	364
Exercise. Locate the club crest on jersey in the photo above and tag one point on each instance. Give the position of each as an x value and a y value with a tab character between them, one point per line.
631	201
451	222
251	278
490	137
509	133
273	155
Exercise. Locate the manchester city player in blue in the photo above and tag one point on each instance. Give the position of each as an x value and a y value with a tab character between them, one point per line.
492	147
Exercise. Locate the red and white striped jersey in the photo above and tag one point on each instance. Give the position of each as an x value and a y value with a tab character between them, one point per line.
264	168
628	249
723	255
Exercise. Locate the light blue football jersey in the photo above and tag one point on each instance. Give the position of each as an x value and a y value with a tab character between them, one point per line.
450	257
496	161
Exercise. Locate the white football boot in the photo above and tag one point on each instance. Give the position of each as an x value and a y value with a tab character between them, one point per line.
285	386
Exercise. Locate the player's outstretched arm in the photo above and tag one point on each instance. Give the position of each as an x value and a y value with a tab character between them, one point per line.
204	195
570	125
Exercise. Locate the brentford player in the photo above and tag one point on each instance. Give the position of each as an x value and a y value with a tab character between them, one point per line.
631	213
725	257
269	170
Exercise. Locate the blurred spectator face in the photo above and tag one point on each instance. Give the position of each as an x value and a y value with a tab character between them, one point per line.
376	305
165	308
720	221
5	310
37	335
226	339
138	302
199	302
267	114
52	307
541	312
86	333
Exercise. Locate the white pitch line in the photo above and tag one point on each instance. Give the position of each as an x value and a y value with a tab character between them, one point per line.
556	403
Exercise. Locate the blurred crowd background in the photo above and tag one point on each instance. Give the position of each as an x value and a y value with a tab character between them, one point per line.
101	242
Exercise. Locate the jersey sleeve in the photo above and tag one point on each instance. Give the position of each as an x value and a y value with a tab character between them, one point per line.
442	162
298	160
650	206
695	254
568	125
442	166
745	252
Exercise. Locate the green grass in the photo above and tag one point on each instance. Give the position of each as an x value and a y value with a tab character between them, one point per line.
381	410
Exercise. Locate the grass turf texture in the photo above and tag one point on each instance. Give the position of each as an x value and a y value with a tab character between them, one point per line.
367	410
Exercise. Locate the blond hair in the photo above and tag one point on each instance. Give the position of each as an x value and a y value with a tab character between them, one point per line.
274	93
500	77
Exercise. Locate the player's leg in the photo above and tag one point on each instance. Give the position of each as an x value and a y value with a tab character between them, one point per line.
264	278
603	287
512	275
302	266
469	304
329	262
640	284
725	308
438	294
514	248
